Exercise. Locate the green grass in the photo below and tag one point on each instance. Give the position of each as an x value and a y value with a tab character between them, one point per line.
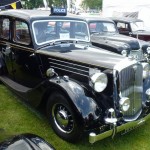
17	117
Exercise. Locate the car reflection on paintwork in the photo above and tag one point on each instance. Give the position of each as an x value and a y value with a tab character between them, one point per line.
104	34
25	141
132	27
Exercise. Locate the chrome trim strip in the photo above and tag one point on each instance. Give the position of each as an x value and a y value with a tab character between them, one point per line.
19	46
68	67
124	63
68	63
130	125
69	71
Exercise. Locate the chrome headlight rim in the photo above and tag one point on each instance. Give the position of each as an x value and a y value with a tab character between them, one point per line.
124	104
148	50
146	70
124	53
99	81
148	94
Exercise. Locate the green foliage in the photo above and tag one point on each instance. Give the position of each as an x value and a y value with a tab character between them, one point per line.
50	2
30	4
18	117
92	4
59	2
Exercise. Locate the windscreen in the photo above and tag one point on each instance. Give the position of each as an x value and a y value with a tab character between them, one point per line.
136	26
102	27
46	31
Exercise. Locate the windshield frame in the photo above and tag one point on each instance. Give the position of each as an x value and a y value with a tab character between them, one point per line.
136	24
59	20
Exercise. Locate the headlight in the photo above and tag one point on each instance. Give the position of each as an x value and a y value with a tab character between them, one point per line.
148	94
145	70
148	50
124	103
124	53
99	81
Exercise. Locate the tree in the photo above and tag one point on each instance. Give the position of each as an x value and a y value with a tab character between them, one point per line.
92	4
30	4
56	2
50	2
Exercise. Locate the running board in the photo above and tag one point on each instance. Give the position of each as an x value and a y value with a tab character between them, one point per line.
14	85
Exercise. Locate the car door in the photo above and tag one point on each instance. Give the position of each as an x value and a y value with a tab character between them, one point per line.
5	44
124	28
26	64
18	53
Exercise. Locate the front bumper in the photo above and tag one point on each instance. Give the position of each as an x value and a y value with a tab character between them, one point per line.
130	125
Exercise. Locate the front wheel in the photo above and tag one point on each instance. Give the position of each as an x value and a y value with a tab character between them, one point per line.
63	119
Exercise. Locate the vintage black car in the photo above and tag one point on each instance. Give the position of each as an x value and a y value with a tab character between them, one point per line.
132	27
104	34
49	61
26	141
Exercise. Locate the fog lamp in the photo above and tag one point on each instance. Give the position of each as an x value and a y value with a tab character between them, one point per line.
146	70
124	103
148	50
148	94
124	53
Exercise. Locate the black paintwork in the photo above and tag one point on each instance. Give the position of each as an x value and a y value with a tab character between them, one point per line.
113	41
26	66
141	34
25	141
23	68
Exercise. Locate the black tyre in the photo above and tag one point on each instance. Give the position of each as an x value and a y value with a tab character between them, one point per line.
1	70
63	118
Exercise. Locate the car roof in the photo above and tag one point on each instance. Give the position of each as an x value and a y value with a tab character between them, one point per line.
34	14
98	18
126	19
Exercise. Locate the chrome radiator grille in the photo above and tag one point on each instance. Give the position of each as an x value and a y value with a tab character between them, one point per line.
131	86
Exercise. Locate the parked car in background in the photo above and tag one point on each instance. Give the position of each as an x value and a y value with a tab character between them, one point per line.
104	34
48	60
132	27
25	142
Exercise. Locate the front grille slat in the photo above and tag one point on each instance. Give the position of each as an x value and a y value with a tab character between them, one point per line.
71	67
131	86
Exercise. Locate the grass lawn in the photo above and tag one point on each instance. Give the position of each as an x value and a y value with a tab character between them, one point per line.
17	117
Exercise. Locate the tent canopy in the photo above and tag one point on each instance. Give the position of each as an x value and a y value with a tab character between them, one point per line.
116	8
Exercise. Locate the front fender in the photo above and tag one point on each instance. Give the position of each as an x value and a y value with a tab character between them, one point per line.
146	86
2	64
85	106
1	61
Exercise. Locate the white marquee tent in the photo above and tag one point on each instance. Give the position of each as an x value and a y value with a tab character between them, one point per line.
137	8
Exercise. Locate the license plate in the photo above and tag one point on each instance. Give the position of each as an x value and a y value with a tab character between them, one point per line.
141	122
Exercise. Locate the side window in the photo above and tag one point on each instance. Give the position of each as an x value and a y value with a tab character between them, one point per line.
122	26
4	28
92	27
21	33
81	31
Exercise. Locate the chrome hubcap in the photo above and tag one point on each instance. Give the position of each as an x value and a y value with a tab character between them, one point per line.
62	118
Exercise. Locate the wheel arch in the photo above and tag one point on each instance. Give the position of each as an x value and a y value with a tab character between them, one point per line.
2	64
85	107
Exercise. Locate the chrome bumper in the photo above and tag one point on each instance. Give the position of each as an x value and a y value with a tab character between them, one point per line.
93	137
